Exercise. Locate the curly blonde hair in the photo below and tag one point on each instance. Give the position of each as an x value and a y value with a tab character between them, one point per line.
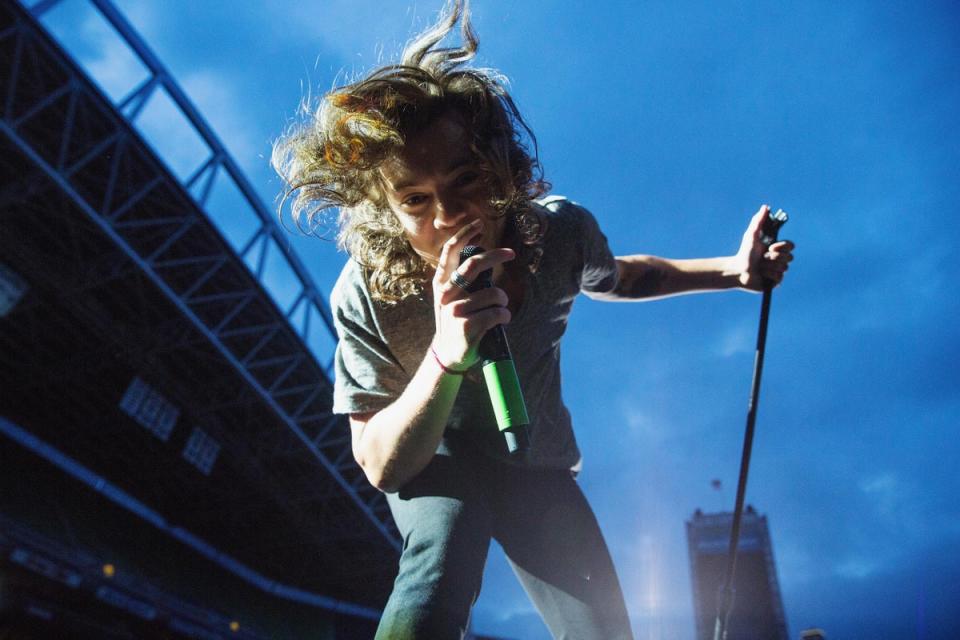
332	158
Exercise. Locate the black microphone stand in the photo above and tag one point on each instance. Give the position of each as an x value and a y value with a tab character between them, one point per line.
770	227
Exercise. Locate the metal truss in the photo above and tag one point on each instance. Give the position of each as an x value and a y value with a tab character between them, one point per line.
74	137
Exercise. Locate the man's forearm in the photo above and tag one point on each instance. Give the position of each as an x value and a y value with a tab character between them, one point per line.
400	440
644	277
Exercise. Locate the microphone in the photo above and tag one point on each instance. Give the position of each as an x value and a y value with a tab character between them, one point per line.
769	229
503	385
770	226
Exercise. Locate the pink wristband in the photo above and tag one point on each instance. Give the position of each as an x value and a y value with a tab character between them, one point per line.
445	368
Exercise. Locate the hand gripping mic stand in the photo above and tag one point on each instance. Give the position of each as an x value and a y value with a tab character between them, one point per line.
769	229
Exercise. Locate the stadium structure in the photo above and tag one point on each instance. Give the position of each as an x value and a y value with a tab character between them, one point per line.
757	612
170	464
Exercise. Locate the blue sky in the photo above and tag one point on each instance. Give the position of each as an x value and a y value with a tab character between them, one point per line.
672	122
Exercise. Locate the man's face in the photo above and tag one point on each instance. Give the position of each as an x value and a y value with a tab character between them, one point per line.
434	187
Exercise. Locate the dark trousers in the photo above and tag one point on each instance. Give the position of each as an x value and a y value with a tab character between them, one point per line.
447	516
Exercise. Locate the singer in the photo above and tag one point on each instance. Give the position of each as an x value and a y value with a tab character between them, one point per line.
422	159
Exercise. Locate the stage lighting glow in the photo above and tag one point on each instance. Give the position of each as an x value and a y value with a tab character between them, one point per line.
650	555
234	626
109	570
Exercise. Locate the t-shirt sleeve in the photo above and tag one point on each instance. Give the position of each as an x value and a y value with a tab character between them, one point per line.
367	375
600	273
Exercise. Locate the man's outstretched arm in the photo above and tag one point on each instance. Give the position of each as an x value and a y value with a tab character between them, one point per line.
645	277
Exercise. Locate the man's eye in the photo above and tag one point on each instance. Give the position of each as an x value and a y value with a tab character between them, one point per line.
414	200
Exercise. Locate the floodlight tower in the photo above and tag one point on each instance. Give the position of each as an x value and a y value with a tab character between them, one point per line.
757	612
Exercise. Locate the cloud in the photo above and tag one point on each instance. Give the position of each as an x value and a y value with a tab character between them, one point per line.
220	104
907	293
884	491
736	340
866	599
363	33
642	424
857	567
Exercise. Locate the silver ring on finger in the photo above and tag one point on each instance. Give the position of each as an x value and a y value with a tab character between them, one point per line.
460	281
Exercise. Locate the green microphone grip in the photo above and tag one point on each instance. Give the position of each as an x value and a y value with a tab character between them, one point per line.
507	400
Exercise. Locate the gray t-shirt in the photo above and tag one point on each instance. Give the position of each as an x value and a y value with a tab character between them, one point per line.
381	346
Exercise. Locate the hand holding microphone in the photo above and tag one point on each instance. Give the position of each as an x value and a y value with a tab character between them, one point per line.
462	318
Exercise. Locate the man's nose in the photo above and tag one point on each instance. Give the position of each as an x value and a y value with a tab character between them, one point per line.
449	212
